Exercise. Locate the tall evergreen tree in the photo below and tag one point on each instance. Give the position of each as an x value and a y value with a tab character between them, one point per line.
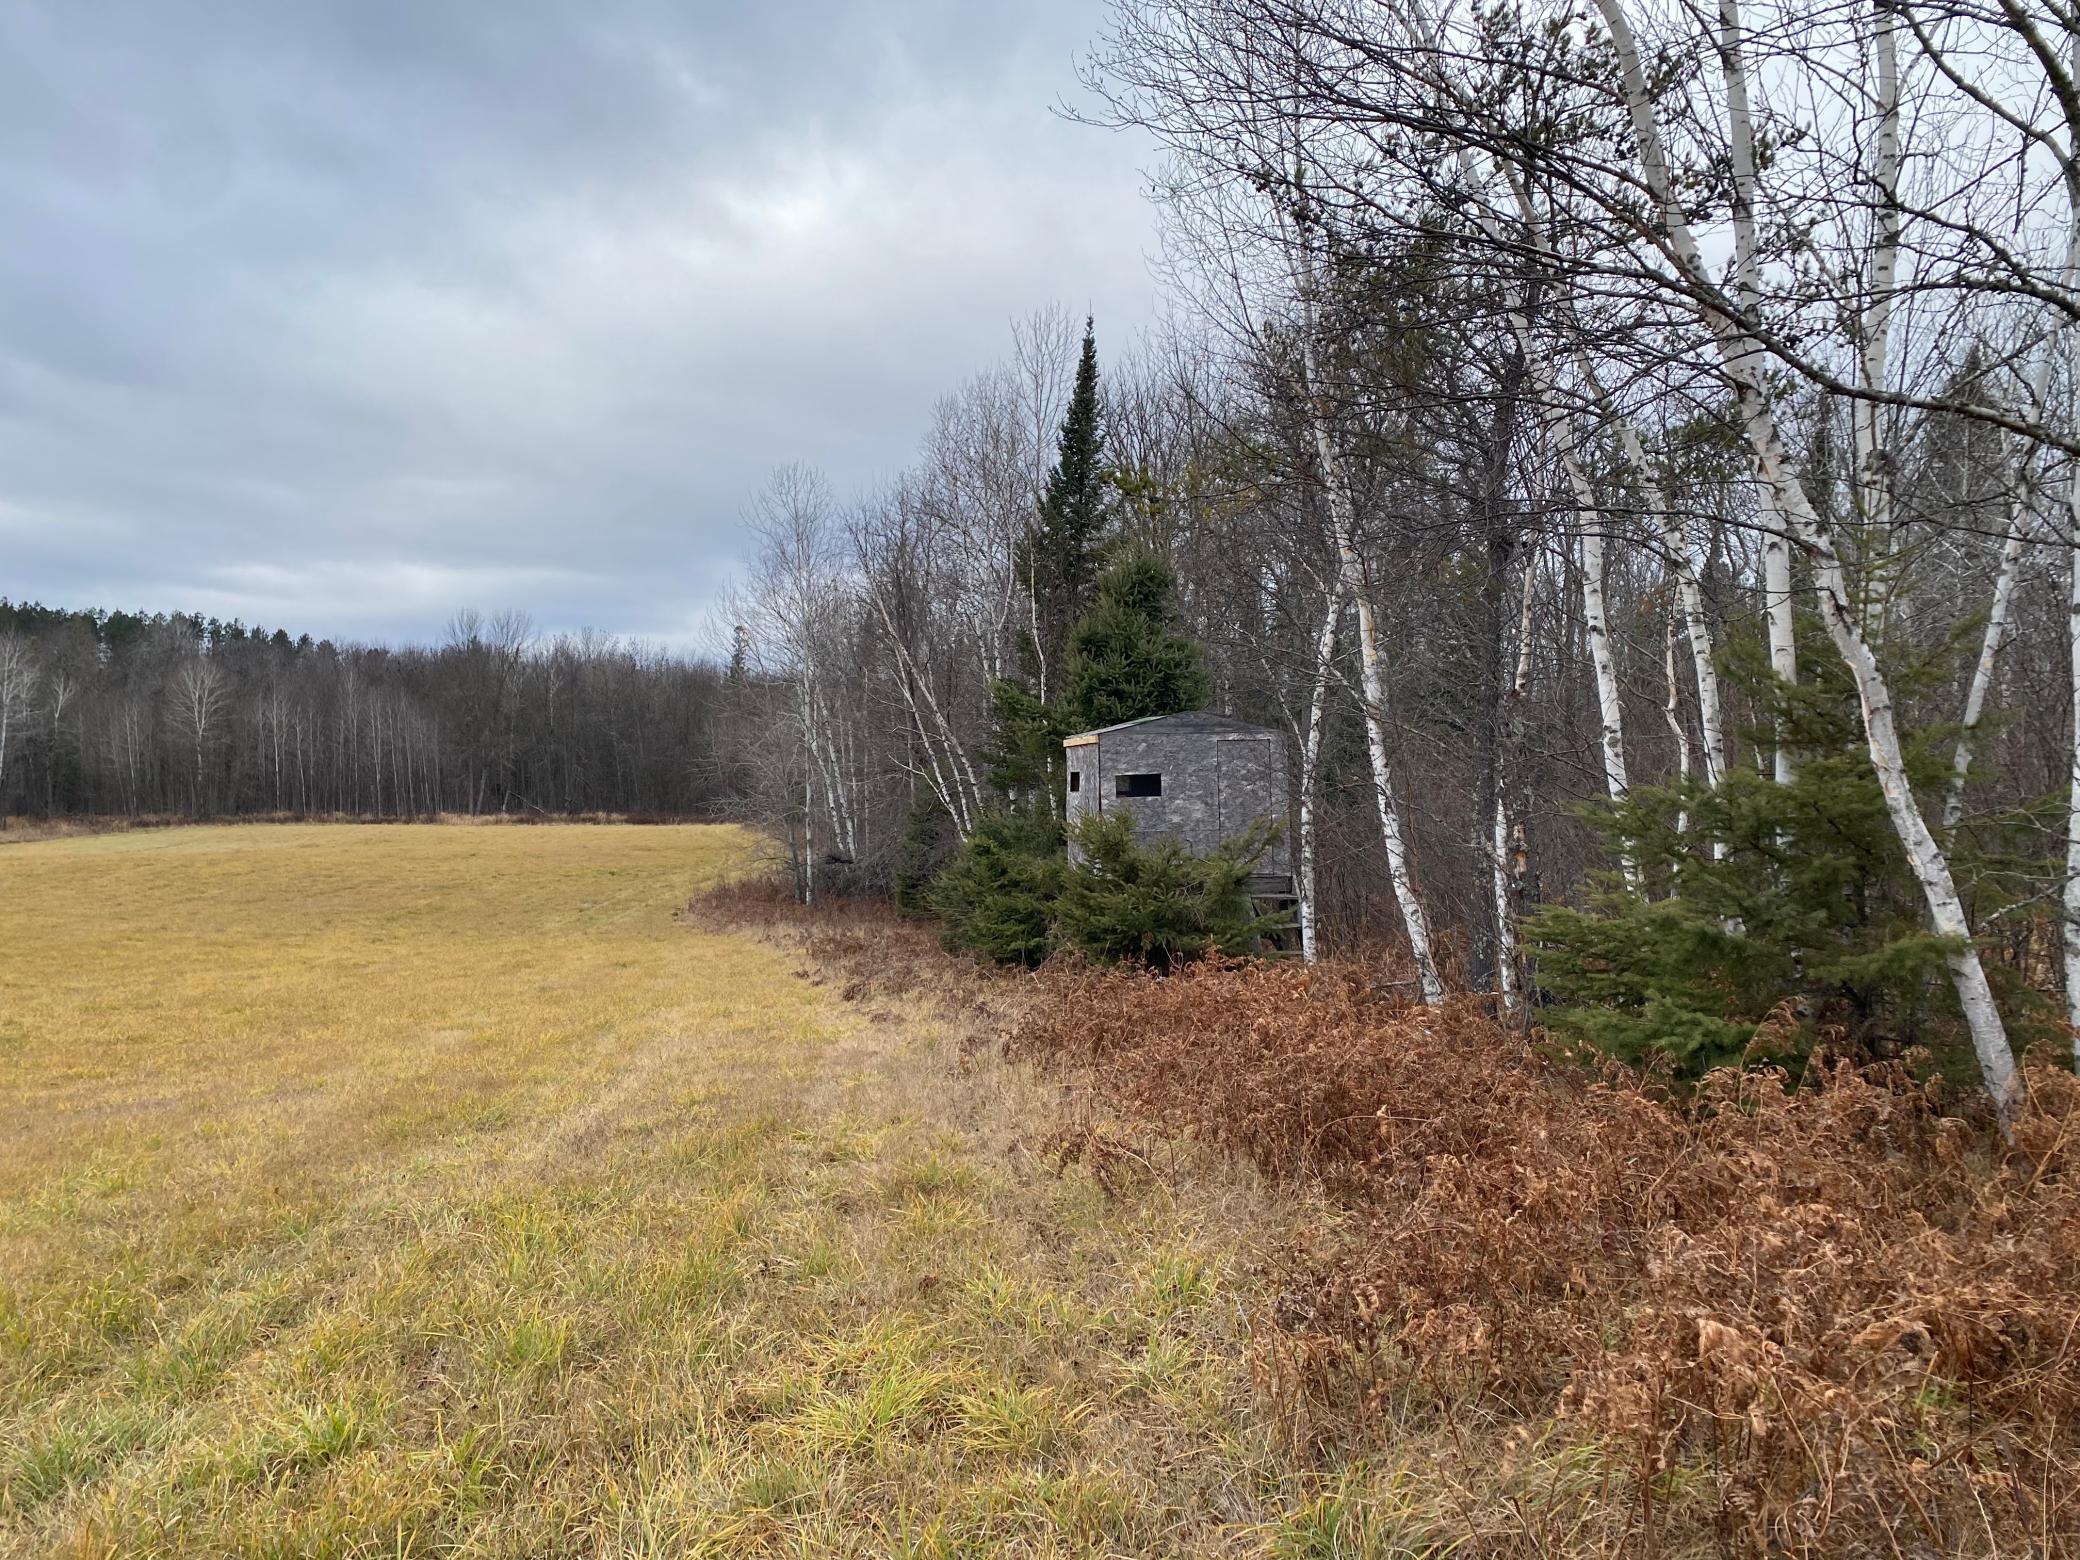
1129	657
1058	562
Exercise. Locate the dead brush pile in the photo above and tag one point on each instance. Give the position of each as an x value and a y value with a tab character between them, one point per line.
1834	1320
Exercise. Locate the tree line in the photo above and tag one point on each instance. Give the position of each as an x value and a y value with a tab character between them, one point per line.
128	714
1631	453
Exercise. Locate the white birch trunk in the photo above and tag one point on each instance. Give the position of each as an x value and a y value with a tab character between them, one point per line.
1343	523
1310	767
808	718
2066	336
1783	646
1743	351
808	839
1039	650
2022	501
1697	627
1372	688
952	778
1413	920
1609	706
1990	647
2072	888
1873	480
1499	874
1672	716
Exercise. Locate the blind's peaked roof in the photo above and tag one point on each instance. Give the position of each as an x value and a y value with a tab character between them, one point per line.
1193	723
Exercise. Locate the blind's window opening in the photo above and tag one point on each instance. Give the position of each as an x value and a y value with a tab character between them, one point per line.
1137	785
1076	779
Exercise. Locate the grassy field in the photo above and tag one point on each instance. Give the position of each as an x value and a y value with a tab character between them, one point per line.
442	1190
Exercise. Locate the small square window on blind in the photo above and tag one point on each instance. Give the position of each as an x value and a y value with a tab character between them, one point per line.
1076	780
1137	785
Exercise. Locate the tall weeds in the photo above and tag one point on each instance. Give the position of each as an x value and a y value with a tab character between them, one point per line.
1836	1319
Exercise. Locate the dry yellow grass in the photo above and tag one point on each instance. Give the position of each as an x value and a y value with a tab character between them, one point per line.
422	1190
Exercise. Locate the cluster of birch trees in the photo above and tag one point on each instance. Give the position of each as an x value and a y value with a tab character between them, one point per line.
125	714
1527	359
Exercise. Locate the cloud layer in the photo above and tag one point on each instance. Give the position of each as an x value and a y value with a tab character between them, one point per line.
340	316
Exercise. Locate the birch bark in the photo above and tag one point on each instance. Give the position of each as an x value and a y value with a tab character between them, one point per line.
1873	476
1672	713
1697	626
1373	690
17	676
2072	889
1503	875
1310	767
952	778
2071	341
1610	706
1745	356
1991	643
1343	525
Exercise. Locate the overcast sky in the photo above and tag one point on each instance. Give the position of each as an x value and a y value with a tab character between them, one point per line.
339	316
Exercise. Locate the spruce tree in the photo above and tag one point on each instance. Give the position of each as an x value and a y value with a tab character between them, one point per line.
1157	904
1772	917
1058	562
1129	657
1024	751
997	896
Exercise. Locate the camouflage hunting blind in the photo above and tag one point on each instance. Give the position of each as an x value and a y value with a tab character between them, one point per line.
1196	778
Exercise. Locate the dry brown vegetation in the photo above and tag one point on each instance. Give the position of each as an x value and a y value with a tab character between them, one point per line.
1831	1320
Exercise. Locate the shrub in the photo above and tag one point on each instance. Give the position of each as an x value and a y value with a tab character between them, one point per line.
927	845
1158	904
1768	919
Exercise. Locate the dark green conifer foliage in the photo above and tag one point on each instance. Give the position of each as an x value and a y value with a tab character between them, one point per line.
1807	927
1129	657
997	896
928	842
1058	562
1158	905
1024	752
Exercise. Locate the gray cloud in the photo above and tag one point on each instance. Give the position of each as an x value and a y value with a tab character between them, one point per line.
340	316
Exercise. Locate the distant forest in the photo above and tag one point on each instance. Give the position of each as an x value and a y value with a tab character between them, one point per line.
132	714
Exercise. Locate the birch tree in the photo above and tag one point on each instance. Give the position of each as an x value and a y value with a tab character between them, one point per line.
17	688
197	700
1343	527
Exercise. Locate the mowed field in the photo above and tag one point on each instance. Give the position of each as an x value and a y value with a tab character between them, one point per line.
443	1190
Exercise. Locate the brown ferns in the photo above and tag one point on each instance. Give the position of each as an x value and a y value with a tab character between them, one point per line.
1843	1310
